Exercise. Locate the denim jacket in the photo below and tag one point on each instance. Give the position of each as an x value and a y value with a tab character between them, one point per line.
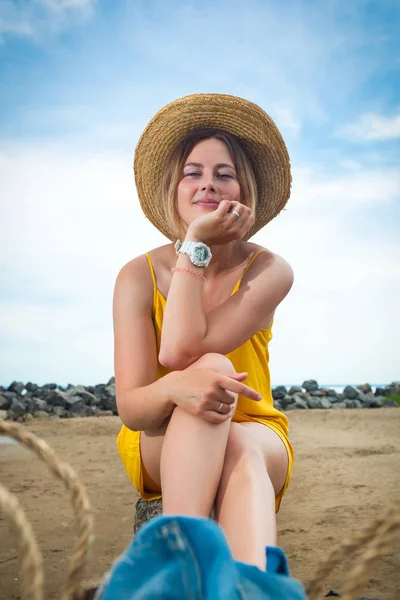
178	558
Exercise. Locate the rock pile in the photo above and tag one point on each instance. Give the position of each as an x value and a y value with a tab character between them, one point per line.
22	402
310	395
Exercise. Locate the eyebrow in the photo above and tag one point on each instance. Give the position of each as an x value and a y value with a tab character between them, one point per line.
218	166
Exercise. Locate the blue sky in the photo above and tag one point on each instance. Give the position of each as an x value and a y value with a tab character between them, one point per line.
79	81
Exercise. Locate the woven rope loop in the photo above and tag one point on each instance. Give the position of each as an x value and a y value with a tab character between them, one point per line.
73	585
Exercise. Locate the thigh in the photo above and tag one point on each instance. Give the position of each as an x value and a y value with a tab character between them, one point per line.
272	449
151	442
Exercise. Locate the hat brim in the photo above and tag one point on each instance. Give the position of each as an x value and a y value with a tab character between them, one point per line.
254	128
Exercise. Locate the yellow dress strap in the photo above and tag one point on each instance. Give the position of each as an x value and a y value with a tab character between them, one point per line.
237	286
153	276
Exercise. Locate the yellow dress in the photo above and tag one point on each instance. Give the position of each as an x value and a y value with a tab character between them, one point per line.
251	357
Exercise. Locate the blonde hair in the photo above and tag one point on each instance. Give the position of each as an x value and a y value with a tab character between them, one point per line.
173	171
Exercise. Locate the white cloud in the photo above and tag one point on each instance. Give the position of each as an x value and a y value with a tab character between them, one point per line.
336	194
285	118
35	18
70	221
372	127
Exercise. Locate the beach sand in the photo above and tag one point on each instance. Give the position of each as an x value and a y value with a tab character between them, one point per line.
346	472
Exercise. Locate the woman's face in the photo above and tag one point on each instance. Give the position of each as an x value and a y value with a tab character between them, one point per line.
209	176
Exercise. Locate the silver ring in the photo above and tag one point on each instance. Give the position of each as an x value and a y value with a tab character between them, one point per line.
234	212
220	406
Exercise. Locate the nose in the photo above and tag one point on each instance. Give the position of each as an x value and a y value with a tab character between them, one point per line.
208	187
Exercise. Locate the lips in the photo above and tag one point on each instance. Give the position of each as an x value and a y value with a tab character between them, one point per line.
207	202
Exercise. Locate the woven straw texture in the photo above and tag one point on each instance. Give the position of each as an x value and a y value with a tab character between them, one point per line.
255	129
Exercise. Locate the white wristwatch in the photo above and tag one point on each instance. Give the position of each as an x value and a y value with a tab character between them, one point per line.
199	253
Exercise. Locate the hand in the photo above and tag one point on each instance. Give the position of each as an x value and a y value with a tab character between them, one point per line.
201	391
221	225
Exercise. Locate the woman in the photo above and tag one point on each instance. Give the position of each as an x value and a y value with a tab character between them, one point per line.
192	321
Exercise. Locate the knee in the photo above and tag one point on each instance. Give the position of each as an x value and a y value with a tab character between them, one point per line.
213	360
240	448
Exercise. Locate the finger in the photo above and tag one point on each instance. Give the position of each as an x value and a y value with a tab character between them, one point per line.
233	374
222	408
239	388
214	417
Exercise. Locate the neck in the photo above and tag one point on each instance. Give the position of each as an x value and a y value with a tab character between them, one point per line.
224	257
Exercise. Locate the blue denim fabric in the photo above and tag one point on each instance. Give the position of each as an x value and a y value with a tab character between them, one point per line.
177	558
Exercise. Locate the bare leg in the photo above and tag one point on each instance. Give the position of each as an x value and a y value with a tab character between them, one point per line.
254	470
187	459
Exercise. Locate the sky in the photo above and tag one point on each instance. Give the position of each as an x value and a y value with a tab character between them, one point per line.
79	81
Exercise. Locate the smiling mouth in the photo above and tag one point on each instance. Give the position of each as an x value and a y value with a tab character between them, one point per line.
204	201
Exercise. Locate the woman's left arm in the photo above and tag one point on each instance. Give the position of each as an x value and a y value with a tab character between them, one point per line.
187	334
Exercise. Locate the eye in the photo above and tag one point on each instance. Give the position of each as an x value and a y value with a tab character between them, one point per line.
192	174
225	176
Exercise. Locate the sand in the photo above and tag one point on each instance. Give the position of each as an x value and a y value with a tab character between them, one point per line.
346	472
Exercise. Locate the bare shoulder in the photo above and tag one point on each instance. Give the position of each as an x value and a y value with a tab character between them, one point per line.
269	263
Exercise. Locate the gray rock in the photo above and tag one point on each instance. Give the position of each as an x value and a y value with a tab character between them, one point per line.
353	403
110	390
60	411
110	404
351	392
337	398
325	403
314	403
284	402
16	386
277	405
79	390
331	393
18	407
100	390
41	414
10	396
380	391
3	415
387	404
290	407
318	393
371	401
26	418
50	386
279	392
111	381
31	387
295	389
379	402
35	404
70	401
365	388
300	403
339	405
310	385
145	511
78	408
105	413
5	403
58	398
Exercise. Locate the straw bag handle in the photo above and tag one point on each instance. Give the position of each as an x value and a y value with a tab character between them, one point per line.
378	537
72	587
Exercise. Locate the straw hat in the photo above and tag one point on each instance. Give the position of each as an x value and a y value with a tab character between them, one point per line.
257	132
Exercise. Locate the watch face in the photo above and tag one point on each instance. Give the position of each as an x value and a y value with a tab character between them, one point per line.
201	253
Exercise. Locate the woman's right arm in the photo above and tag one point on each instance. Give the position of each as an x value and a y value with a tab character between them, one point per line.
143	402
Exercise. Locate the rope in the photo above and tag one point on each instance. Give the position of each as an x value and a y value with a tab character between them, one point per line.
379	534
31	557
72	587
